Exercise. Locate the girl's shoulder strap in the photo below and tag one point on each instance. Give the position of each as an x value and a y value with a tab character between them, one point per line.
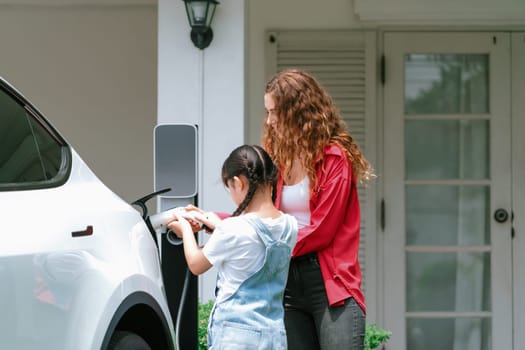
265	234
262	230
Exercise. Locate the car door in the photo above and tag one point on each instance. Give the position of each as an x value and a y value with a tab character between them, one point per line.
44	228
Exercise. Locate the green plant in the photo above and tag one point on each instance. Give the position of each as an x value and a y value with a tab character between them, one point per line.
202	331
374	336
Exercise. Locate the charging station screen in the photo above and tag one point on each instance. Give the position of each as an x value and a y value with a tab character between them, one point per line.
176	159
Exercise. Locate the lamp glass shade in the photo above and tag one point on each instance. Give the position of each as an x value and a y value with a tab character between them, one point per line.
200	12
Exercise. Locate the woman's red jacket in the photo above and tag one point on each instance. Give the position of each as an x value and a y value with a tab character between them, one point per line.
334	228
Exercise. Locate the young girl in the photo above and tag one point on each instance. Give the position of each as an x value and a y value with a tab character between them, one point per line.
251	250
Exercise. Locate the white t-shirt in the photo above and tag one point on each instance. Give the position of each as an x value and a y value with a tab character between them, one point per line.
295	200
238	252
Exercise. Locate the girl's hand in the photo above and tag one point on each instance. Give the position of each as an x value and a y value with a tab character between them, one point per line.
179	225
197	261
195	225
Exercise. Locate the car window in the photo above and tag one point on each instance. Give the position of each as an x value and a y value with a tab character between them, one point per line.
29	156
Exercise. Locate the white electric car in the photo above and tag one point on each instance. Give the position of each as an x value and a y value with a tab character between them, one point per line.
79	267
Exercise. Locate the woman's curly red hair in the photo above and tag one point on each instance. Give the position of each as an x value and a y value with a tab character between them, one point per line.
307	121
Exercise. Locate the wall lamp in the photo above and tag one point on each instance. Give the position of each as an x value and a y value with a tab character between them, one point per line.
200	14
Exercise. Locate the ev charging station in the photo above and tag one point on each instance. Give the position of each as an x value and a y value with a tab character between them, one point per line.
176	168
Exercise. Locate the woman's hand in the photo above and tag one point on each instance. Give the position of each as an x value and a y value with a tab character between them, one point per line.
208	220
196	226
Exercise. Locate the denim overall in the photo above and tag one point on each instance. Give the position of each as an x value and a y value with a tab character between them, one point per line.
252	317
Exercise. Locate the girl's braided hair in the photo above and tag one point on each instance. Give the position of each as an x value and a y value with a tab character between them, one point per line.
253	162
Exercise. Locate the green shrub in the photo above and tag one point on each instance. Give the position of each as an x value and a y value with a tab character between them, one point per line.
373	336
202	331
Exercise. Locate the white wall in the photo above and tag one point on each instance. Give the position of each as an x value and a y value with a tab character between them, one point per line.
91	69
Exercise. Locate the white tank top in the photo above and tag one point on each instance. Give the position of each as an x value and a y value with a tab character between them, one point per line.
295	200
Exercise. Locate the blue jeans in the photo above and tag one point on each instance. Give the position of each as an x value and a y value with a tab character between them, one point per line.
311	324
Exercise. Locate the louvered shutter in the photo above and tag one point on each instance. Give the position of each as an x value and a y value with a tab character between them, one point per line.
343	63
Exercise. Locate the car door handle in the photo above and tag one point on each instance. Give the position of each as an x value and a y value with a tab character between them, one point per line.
87	232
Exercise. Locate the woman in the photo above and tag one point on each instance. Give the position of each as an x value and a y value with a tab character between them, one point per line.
320	167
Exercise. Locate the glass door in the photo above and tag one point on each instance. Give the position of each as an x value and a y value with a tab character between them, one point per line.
447	174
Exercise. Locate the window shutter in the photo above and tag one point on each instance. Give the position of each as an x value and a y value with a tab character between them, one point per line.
343	62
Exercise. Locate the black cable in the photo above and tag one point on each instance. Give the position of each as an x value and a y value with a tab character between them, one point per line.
181	307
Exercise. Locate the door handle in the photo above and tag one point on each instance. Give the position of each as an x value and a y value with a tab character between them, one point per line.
501	215
87	232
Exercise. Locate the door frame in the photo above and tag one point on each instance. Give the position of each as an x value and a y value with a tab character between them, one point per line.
518	184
